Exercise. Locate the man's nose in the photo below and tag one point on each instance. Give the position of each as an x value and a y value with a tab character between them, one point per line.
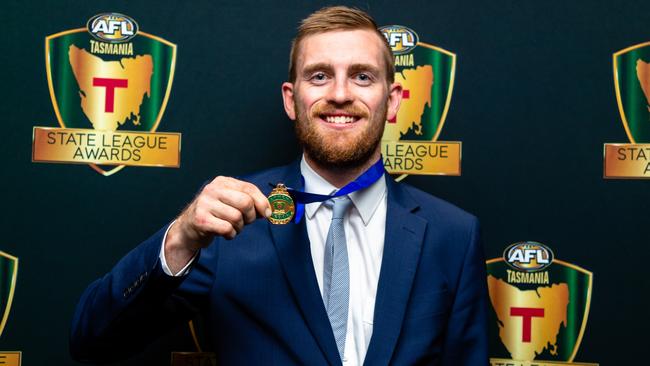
340	92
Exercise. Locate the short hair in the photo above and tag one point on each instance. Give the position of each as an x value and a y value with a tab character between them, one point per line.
336	18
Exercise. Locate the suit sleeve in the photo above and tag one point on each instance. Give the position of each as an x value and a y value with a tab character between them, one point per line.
466	338
126	309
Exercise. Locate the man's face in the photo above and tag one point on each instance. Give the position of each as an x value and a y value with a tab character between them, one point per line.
341	97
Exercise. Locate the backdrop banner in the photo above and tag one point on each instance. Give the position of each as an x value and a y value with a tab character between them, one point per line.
533	116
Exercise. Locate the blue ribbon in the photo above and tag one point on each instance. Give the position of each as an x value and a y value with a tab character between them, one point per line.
365	180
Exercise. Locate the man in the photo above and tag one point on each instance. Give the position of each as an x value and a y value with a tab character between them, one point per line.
383	274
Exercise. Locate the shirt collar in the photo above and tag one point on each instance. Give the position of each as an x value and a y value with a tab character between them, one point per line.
365	200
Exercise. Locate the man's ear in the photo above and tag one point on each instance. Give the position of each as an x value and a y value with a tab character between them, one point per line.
287	98
394	100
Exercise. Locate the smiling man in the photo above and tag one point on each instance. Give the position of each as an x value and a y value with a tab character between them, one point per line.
368	272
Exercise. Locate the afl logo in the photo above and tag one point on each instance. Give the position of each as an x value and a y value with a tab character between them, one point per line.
112	27
529	256
400	38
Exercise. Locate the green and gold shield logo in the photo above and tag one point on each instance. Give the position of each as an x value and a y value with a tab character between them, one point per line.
540	306
109	84
426	73
632	83
8	275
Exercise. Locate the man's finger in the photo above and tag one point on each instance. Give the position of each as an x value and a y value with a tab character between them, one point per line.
208	223
262	206
231	214
239	200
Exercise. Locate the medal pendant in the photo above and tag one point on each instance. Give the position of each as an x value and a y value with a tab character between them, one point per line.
282	207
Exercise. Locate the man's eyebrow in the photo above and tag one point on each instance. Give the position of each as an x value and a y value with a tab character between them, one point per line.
321	66
356	68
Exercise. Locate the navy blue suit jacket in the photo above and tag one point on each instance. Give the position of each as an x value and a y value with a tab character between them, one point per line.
261	303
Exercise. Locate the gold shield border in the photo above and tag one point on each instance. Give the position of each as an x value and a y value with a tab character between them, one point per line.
56	105
452	79
195	338
14	276
617	87
590	275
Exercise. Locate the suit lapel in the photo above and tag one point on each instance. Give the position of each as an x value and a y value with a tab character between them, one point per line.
292	245
402	246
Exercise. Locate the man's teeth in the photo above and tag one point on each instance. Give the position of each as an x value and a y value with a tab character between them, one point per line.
339	119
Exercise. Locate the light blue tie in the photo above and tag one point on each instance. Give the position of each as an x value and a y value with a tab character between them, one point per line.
336	272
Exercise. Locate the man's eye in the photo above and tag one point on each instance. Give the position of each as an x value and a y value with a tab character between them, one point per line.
364	78
319	76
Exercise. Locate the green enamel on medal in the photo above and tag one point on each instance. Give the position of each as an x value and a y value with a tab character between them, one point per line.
282	206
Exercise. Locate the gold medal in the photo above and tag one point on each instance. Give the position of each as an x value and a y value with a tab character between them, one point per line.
282	207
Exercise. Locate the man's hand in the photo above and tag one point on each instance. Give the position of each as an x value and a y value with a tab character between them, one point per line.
221	209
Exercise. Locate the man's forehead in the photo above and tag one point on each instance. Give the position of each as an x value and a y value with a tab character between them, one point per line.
341	47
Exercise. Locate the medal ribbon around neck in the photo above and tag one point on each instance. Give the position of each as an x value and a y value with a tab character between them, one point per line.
365	180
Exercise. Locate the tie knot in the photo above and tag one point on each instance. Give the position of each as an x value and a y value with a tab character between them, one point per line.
339	206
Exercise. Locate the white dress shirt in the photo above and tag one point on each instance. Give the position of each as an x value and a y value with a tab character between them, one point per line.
364	226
